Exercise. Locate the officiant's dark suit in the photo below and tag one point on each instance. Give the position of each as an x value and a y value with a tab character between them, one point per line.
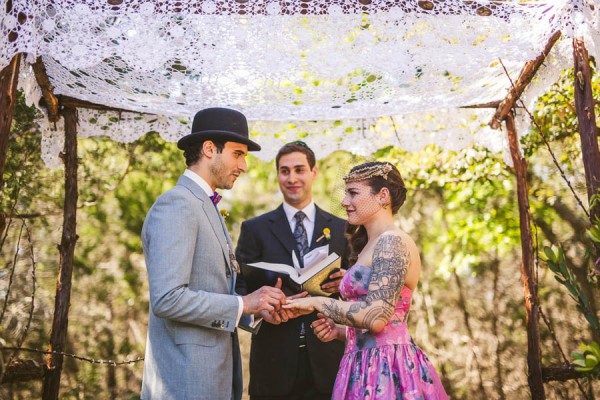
284	363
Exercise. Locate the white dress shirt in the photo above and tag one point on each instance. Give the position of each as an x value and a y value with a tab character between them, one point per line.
309	222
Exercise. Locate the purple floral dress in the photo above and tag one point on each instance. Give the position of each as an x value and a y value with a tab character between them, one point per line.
387	365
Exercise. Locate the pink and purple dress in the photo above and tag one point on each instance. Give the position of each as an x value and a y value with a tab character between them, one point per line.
387	365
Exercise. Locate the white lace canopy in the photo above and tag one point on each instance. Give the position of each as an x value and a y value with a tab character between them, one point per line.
341	74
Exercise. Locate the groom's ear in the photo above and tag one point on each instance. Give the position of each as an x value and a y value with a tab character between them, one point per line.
314	171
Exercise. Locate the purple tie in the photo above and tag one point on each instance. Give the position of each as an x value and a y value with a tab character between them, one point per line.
216	197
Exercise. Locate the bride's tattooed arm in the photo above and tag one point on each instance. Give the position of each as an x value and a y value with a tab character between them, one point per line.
390	264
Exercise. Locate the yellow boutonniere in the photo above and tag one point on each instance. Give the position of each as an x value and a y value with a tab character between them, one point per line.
326	234
224	213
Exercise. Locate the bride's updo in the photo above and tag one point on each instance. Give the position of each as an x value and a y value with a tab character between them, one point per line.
376	175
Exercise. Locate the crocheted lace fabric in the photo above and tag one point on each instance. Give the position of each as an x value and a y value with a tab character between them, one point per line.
341	74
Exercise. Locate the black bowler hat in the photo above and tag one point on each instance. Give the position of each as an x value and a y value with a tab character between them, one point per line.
220	124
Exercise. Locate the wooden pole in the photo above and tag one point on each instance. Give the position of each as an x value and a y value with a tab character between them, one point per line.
534	355
588	131
9	77
527	73
67	250
50	100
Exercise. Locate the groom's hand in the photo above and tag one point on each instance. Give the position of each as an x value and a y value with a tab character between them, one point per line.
266	298
275	317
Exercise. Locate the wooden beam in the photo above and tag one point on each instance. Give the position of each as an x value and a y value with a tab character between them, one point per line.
23	371
67	101
525	77
50	100
588	131
9	78
534	355
562	373
66	248
491	104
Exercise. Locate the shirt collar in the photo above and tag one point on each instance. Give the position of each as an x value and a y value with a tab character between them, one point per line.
199	181
310	210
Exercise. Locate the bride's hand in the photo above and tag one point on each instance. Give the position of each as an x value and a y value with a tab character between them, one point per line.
324	328
302	306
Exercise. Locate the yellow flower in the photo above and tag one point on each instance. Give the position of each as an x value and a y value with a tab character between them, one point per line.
224	213
326	235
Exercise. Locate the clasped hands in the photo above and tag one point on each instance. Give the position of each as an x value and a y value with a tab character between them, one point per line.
268	301
275	307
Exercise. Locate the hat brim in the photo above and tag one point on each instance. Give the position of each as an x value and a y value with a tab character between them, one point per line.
221	136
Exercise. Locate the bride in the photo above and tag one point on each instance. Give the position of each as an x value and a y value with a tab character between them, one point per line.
380	360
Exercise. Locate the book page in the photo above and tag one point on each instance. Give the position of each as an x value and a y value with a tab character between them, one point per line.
314	257
325	264
313	285
280	268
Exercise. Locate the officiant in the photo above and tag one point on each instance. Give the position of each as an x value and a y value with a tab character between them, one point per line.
286	360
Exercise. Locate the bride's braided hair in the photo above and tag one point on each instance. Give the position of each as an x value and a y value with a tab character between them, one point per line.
377	175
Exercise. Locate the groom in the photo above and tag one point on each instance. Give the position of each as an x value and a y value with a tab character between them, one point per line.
192	349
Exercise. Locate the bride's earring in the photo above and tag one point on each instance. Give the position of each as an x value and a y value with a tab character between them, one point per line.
383	204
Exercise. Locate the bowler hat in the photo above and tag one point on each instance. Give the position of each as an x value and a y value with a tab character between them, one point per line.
219	124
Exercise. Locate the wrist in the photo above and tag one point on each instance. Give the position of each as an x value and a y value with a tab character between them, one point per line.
340	332
316	304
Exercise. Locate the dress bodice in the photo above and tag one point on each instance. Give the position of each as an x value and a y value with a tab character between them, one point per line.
387	364
354	287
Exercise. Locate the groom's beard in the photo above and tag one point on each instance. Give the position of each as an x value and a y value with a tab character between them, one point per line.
224	177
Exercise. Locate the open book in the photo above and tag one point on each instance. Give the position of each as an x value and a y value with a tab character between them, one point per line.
317	268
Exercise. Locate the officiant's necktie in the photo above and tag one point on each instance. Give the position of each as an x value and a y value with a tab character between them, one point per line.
300	234
302	243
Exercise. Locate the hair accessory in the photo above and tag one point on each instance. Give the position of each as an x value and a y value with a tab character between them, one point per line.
369	171
300	143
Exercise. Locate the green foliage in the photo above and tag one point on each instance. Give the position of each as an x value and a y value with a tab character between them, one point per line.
468	204
555	259
588	359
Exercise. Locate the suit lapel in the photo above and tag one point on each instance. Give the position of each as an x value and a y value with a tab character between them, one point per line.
215	220
280	227
322	221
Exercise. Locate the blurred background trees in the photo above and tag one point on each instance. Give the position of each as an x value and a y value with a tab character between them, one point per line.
468	313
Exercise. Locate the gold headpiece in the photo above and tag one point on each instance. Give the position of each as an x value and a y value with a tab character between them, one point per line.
369	171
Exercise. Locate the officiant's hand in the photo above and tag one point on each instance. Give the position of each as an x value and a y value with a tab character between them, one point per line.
333	282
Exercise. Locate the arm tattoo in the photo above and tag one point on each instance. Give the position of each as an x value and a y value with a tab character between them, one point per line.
390	264
335	312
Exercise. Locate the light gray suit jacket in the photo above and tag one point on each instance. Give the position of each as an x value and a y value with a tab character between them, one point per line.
192	351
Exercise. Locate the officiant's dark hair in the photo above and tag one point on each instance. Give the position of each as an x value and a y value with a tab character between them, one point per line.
296	147
377	175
